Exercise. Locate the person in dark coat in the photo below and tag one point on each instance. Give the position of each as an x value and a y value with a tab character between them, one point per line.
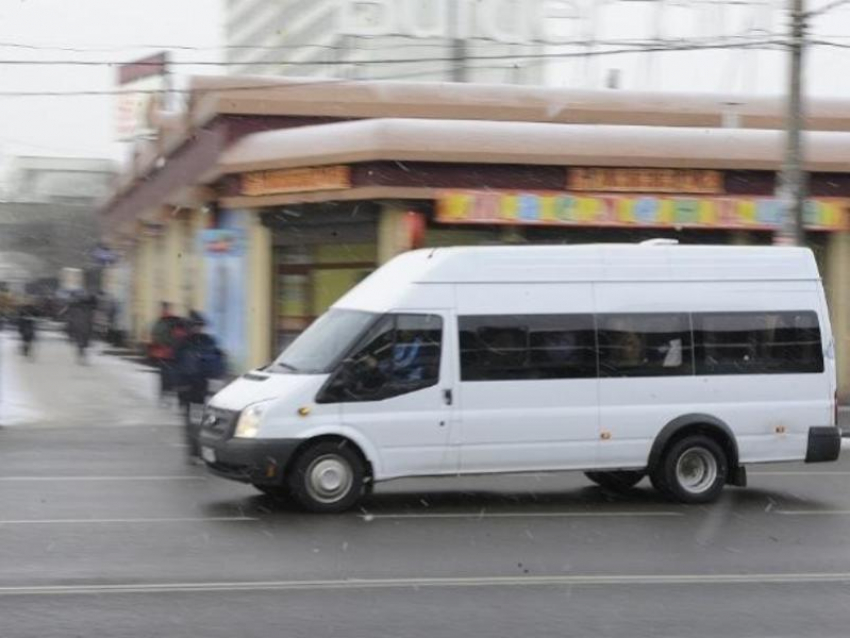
81	324
26	328
166	334
197	360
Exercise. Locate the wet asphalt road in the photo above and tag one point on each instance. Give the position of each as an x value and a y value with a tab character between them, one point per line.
108	531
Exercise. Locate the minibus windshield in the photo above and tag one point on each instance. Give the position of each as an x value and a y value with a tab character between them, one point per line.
318	348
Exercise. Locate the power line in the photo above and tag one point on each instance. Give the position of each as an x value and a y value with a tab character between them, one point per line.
826	8
318	81
828	43
417	43
671	45
742	38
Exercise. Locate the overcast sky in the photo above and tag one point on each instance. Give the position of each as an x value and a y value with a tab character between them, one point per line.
84	125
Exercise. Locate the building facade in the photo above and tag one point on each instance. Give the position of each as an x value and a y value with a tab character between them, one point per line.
440	40
734	45
48	214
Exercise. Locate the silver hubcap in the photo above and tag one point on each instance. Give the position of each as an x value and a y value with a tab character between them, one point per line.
329	478
696	470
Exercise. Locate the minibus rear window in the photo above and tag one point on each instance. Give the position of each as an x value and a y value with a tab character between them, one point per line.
503	348
757	343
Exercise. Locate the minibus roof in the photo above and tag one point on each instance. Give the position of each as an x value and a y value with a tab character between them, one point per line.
393	285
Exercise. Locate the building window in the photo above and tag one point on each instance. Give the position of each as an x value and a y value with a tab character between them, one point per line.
757	343
645	345
502	348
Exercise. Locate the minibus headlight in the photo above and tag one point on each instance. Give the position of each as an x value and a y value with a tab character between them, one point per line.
248	424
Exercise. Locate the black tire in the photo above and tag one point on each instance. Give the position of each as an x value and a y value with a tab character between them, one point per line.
703	459
342	465
616	481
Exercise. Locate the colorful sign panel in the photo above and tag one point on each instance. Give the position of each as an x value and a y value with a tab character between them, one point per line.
225	267
562	209
645	180
294	180
141	86
223	241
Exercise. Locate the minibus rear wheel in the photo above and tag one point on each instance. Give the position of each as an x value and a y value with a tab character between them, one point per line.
616	481
693	470
327	477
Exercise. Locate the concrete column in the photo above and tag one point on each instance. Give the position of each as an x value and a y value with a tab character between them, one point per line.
259	292
135	259
198	223
172	264
837	284
145	287
393	232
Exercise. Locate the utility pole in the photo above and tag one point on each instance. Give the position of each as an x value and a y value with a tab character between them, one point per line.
457	19
791	191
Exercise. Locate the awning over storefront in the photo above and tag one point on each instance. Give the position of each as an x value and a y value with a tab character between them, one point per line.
527	143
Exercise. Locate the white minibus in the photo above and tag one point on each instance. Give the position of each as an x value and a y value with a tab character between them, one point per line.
684	364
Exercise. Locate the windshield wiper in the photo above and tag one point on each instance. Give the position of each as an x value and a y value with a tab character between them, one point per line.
287	366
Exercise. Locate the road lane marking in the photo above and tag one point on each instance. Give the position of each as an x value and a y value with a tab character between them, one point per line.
813	512
801	473
477	515
99	521
436	583
101	478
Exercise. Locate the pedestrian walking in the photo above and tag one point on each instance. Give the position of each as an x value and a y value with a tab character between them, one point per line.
198	359
80	319
166	333
26	320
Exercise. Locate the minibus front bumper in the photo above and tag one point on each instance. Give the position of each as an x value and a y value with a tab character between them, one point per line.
824	444
255	461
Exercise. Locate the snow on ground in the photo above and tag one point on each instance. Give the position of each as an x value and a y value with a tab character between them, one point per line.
52	389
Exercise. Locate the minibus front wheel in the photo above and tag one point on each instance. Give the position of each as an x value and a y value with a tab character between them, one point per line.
327	477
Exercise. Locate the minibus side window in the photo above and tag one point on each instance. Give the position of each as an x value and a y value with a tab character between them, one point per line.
757	343
645	345
507	348
400	354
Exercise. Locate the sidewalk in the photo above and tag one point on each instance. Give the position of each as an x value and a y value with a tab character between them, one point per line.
53	390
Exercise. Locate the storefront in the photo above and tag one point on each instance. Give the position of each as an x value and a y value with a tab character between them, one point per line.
322	249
